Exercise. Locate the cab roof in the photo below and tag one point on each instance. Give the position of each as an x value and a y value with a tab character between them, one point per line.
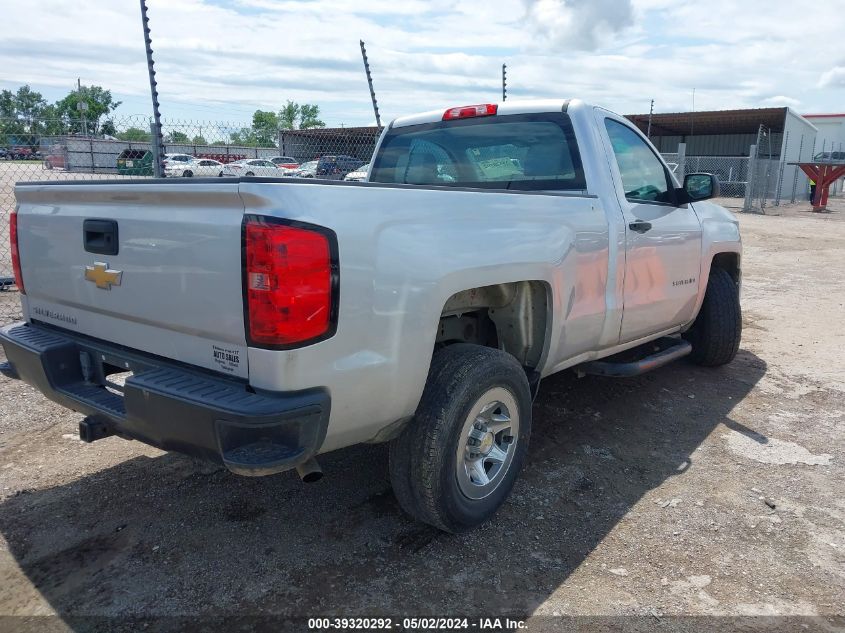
527	106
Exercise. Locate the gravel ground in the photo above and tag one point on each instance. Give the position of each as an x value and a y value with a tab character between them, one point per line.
684	492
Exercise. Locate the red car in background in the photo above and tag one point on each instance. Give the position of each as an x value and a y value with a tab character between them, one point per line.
56	158
284	162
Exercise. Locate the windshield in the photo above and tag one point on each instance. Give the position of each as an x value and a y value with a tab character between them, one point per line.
521	151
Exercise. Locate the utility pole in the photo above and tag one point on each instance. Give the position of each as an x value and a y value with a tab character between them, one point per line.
504	82
650	112
82	106
155	125
370	83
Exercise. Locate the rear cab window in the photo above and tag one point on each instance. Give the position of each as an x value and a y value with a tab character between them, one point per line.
524	152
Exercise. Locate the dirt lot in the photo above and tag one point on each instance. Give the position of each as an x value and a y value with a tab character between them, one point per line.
683	492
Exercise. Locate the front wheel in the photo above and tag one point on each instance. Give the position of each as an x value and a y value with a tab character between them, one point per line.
249	173
188	174
717	330
455	463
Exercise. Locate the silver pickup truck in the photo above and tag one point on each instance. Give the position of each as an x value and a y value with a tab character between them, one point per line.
259	322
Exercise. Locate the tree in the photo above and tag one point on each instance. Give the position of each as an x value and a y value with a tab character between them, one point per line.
135	134
99	101
20	111
309	116
29	104
108	128
199	140
265	127
294	116
244	137
7	104
177	137
289	115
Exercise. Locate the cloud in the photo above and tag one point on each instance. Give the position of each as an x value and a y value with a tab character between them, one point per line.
781	100
578	24
222	60
833	78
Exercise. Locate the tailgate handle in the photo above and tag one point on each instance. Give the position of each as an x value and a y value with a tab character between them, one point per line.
100	236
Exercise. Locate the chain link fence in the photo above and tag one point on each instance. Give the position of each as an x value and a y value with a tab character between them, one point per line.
757	182
58	150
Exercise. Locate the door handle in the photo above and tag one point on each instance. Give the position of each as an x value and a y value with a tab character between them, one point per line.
640	226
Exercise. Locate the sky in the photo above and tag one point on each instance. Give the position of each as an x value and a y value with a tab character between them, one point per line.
220	60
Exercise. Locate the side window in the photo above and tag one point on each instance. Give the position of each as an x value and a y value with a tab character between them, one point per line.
643	175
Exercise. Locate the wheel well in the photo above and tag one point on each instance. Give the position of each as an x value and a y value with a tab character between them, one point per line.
728	262
509	316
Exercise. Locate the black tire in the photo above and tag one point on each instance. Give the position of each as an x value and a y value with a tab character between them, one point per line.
424	460
187	173
249	173
717	330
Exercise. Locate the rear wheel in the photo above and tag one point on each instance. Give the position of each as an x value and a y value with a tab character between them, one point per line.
717	330
249	173
457	460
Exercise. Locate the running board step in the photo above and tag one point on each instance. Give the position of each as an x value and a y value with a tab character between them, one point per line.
663	351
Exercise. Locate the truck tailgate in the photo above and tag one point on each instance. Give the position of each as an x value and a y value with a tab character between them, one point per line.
173	288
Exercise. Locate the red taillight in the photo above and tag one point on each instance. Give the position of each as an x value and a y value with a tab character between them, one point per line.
465	112
288	283
16	256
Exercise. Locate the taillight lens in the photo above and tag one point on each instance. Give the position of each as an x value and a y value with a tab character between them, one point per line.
16	256
288	281
466	112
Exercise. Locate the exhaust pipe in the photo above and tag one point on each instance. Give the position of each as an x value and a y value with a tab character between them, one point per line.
309	471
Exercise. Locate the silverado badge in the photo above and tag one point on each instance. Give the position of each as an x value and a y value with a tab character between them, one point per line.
103	276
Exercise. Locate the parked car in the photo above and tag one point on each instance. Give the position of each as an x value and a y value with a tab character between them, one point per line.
252	167
293	319
359	175
284	162
21	153
201	167
56	158
336	167
306	170
170	159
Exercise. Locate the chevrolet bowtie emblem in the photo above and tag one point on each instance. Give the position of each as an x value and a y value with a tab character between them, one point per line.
103	276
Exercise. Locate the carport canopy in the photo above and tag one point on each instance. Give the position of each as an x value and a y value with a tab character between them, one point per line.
712	122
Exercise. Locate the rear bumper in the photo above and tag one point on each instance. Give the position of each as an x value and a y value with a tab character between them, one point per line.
169	406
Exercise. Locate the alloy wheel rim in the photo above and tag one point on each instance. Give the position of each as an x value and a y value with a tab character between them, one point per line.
487	443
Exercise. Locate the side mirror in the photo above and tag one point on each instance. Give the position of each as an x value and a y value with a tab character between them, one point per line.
699	187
